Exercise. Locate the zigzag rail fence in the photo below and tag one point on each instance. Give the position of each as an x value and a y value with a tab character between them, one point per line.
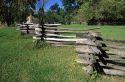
93	53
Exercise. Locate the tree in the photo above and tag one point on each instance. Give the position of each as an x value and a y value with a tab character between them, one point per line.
41	12
101	10
13	10
111	11
55	14
50	17
55	8
69	6
42	17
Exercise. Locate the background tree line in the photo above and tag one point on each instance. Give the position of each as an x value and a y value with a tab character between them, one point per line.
101	11
93	12
16	11
73	11
12	11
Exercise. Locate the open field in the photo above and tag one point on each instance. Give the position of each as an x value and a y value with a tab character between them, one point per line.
20	62
110	32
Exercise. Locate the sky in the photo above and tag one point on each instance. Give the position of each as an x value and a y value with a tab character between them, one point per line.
48	4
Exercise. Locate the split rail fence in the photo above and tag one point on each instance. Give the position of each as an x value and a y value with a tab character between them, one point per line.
26	28
93	53
55	34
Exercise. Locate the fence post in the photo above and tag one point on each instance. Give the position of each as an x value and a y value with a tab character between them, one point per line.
38	33
89	52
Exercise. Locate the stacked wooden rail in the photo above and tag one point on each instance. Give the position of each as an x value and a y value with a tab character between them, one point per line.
26	28
116	51
52	33
59	36
93	56
42	32
118	41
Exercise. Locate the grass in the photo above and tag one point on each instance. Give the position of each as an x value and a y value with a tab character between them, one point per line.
113	32
20	62
78	26
110	32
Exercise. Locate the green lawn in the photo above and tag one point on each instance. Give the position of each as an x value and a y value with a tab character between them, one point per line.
110	32
20	62
113	32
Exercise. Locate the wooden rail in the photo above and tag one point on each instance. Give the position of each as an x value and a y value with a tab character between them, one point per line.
112	40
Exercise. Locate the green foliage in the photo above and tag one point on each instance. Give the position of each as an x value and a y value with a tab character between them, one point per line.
54	15
55	8
85	12
101	10
51	17
94	77
15	10
69	6
111	9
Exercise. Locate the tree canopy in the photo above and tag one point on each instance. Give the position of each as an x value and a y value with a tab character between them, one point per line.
15	10
55	14
69	6
105	11
101	10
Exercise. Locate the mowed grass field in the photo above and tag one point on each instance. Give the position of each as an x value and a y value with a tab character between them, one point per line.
21	62
108	32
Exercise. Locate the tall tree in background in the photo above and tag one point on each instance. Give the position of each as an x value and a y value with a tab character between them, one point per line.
41	15
13	10
55	14
52	14
111	11
69	6
55	8
87	10
106	11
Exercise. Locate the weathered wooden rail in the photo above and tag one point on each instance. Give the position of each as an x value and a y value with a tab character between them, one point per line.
119	41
